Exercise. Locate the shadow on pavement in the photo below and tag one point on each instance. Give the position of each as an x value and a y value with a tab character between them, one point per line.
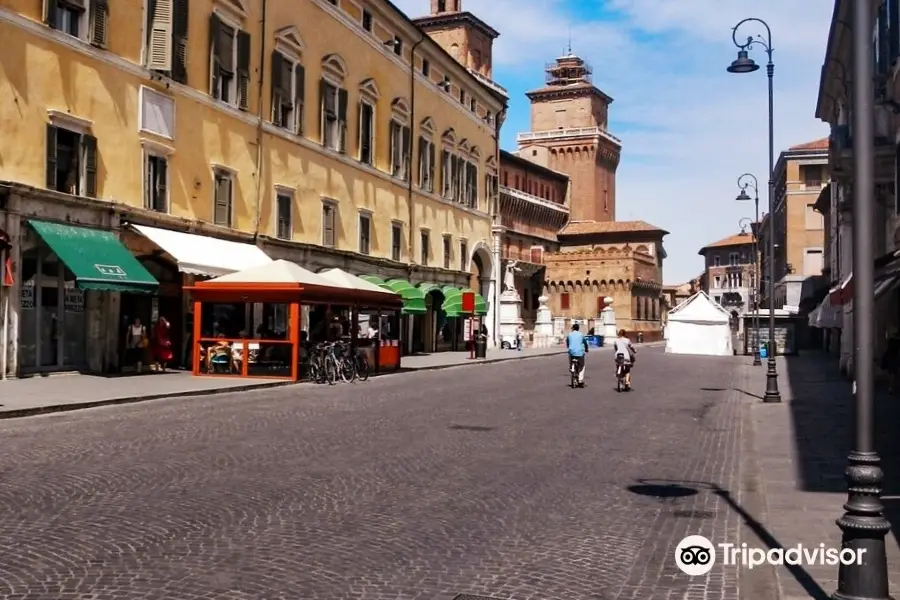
667	488
823	415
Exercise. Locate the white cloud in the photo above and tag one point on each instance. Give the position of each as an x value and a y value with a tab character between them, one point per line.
689	129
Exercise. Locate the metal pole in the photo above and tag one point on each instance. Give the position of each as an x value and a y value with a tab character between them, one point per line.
863	524
757	276
772	394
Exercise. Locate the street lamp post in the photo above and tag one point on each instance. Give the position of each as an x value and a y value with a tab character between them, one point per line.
744	197
863	524
744	64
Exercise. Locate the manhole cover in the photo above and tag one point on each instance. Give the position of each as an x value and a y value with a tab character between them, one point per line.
472	428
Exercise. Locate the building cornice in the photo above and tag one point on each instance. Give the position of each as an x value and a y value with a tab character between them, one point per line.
560	92
456	18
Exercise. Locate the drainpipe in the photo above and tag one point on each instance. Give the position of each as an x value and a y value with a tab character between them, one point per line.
260	122
412	120
495	221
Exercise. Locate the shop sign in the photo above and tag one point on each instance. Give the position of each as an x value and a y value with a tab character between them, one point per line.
111	270
27	298
74	300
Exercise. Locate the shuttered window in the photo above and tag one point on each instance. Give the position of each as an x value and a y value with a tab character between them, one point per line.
448	251
328	222
156	178
230	61
366	133
223	198
426	164
67	16
288	89
446	174
365	234
167	38
463	255
400	142
284	216
333	121
71	162
396	240
425	246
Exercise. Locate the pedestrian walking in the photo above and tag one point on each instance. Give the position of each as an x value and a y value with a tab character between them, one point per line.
520	337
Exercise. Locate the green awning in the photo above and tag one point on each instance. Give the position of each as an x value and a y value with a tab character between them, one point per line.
373	280
97	258
453	305
427	288
413	298
449	290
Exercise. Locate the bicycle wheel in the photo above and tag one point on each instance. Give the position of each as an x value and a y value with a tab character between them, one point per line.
315	372
345	367
362	368
331	373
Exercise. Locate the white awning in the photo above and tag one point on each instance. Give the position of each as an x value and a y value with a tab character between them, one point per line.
341	278
202	255
279	271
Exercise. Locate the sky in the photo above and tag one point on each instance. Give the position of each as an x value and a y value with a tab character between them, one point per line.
689	129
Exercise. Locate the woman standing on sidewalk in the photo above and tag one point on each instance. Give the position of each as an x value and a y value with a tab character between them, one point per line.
162	345
135	344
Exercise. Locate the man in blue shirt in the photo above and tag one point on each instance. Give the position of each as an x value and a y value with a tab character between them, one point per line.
577	346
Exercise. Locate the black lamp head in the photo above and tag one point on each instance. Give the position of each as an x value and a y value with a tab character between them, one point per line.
743	63
743	196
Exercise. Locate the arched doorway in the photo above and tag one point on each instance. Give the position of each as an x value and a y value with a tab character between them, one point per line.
482	280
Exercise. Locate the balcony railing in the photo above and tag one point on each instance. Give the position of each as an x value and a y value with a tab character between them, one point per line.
489	82
574	132
533	199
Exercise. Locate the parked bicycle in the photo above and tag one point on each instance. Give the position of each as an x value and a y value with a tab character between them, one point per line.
332	360
323	365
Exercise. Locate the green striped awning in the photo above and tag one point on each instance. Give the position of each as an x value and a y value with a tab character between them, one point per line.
413	298
427	288
453	304
373	280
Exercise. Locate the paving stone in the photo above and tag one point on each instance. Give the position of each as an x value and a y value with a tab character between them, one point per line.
497	481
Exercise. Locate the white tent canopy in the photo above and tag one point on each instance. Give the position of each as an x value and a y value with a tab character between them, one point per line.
341	278
277	271
699	326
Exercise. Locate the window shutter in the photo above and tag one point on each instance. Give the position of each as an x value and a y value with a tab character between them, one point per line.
50	12
99	22
159	49
89	147
422	173
343	99
223	201
243	69
406	154
277	73
392	146
299	93
323	89
431	152
51	157
179	40
162	180
215	26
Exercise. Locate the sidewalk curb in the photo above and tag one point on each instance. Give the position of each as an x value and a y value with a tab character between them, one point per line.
60	408
478	361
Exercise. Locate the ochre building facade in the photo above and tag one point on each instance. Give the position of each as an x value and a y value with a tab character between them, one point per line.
356	143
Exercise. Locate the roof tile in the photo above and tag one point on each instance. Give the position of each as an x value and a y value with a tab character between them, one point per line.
820	144
589	227
737	239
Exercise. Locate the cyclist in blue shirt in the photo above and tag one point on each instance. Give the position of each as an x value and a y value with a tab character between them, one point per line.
577	346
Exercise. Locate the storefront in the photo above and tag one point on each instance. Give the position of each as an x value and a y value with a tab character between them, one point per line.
410	322
178	260
264	321
67	275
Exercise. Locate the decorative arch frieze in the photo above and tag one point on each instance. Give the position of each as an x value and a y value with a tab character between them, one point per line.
369	87
335	67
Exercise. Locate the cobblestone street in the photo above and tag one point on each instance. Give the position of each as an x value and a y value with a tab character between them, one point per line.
496	480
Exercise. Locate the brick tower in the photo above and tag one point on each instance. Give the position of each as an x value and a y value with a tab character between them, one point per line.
569	133
467	38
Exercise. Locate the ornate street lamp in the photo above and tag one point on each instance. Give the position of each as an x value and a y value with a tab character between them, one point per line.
744	64
744	197
863	524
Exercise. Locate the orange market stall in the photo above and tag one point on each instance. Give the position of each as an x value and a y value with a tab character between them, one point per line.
257	322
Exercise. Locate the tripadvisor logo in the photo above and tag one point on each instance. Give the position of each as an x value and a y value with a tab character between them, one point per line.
696	555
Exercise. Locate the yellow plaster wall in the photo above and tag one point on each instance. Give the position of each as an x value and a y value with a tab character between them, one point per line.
37	74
